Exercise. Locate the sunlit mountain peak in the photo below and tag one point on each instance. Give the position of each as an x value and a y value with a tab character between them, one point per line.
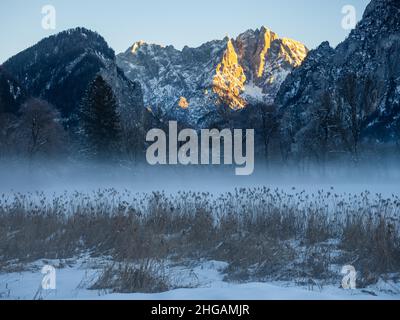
137	45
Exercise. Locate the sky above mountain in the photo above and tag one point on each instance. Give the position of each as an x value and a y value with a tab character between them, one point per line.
176	22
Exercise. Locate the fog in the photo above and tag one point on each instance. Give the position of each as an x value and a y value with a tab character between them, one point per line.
86	177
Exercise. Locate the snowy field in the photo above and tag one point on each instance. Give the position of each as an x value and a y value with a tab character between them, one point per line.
72	282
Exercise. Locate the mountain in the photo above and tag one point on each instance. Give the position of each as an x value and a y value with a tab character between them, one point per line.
339	98
59	68
12	94
189	84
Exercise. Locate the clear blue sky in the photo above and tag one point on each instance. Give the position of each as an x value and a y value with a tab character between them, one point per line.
176	22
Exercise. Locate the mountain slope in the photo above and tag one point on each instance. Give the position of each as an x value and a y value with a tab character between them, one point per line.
11	93
343	96
232	72
59	69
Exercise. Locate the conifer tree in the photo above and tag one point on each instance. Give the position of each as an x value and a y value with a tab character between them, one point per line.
100	121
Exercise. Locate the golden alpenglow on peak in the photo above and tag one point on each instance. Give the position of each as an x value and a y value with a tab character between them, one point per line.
230	72
268	38
137	45
293	51
183	103
228	83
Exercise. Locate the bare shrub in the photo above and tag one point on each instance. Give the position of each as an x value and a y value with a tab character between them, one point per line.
40	131
146	277
315	262
252	257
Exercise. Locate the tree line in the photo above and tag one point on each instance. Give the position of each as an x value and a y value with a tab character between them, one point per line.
331	128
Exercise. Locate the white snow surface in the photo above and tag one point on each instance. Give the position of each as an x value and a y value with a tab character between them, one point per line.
206	277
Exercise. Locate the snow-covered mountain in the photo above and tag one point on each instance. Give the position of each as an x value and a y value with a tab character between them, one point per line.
349	93
189	84
59	69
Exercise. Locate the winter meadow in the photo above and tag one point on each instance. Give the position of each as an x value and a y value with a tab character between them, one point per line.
250	166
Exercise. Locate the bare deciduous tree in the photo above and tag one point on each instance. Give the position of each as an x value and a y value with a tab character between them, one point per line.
39	129
356	114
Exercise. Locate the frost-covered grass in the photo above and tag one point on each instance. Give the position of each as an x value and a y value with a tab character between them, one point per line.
260	234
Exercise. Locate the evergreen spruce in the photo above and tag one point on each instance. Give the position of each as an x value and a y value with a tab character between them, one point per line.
100	121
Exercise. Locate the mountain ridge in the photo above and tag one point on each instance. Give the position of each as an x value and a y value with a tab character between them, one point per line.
60	67
231	72
353	90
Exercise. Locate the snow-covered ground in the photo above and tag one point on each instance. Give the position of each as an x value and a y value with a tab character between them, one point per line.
206	279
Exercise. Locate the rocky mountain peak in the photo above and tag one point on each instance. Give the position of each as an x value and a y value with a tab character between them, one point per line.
232	72
228	82
136	46
266	41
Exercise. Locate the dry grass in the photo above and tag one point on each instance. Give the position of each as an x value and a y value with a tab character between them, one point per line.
261	233
146	277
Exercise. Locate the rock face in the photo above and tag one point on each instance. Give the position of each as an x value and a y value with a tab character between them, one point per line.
349	93
59	68
229	80
232	72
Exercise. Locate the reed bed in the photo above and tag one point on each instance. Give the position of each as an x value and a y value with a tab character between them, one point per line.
261	233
